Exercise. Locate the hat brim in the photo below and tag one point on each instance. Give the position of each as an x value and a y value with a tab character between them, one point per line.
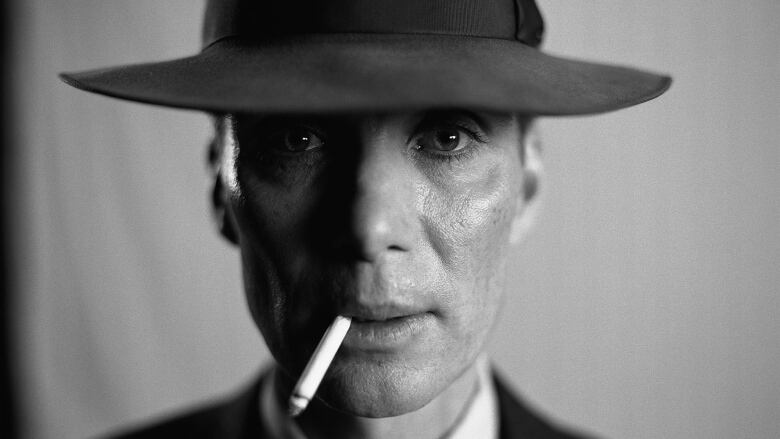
376	72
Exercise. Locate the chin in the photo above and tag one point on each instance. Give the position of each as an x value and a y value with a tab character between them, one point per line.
380	390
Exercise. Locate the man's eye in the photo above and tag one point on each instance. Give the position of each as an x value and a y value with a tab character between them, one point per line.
443	140
295	140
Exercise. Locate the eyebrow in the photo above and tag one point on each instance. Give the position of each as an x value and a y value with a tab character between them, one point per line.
487	120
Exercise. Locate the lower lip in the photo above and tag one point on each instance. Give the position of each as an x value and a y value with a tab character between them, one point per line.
389	334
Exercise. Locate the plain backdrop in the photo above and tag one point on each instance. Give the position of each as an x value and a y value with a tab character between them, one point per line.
644	305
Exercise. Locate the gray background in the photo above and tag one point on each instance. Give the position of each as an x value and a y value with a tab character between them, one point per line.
644	305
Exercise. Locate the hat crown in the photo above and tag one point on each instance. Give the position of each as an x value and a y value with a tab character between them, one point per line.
258	19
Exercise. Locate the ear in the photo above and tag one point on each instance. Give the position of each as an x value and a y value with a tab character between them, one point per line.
220	210
219	194
528	205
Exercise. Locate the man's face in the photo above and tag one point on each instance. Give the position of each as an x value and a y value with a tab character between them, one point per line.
401	221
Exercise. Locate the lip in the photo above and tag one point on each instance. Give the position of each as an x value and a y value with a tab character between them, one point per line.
387	333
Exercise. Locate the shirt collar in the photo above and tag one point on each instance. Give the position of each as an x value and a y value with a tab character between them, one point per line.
481	417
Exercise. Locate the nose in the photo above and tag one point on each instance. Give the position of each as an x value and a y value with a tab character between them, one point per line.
383	206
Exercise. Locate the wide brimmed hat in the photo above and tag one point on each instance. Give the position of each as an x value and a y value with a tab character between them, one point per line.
293	56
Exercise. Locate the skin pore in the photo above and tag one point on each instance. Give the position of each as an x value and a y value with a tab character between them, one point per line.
400	220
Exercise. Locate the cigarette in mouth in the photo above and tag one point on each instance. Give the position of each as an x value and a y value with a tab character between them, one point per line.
318	364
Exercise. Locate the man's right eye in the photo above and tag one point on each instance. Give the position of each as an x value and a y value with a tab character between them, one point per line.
295	140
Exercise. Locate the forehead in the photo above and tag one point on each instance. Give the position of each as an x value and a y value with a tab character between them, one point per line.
373	122
384	117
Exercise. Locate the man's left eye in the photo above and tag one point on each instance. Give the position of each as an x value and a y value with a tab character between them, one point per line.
443	140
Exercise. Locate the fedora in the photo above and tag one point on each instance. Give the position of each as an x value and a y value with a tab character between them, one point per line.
295	56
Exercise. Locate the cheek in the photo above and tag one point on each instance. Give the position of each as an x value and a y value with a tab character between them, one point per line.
467	221
468	224
268	220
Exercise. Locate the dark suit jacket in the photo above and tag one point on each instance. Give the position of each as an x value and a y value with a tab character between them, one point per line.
238	418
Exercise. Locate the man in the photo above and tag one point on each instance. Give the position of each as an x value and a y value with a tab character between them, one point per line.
374	160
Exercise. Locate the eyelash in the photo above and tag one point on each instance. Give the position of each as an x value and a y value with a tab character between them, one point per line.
463	155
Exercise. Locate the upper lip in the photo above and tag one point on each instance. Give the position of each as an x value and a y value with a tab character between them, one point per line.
379	312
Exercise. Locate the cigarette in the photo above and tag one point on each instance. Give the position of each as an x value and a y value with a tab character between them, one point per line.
318	364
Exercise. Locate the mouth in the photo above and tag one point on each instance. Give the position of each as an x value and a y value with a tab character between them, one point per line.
387	333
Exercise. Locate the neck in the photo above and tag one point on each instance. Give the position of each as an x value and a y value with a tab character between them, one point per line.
434	420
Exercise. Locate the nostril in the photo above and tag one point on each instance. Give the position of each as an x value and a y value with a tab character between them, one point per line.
395	247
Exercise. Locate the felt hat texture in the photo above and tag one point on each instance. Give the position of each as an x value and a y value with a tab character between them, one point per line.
308	56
